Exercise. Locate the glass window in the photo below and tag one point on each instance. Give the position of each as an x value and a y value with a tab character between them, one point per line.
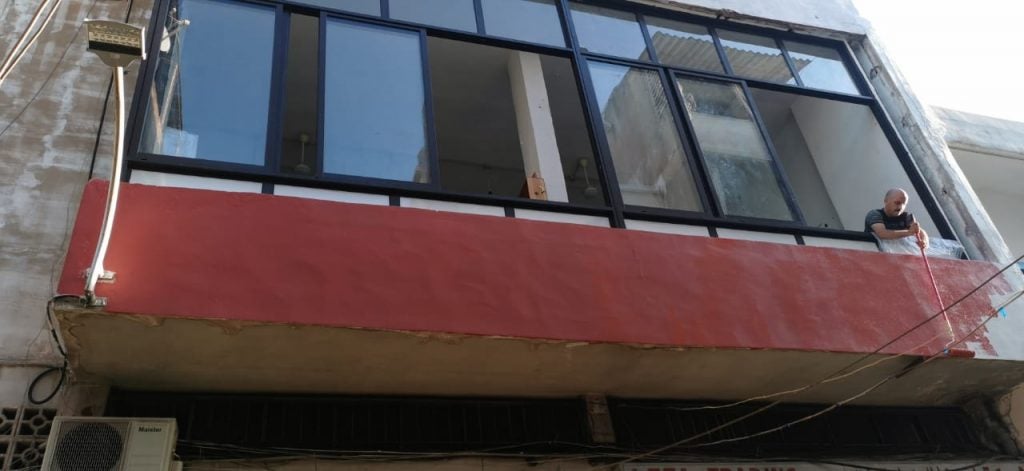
756	57
453	14
821	67
528	20
366	7
211	95
374	103
650	163
509	122
837	159
607	31
741	169
685	45
299	143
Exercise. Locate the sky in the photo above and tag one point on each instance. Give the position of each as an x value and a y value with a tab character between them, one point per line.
964	55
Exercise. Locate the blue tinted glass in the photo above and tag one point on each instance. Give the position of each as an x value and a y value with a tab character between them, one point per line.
528	20
366	7
374	103
607	31
821	67
454	14
212	86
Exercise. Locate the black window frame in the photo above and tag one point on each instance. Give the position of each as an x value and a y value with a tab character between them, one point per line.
613	207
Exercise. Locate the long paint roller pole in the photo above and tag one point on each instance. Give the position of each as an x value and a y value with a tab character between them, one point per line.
935	289
953	352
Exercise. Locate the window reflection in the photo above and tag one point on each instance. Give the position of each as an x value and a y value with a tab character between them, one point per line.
366	7
528	20
650	164
821	67
741	169
685	45
755	57
211	94
374	103
454	14
607	31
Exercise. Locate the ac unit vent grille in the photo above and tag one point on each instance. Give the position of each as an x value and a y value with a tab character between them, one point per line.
90	446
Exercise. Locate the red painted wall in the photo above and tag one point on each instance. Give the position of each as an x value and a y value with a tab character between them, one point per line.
204	254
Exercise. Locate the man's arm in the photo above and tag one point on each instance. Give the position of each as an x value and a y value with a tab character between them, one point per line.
883	233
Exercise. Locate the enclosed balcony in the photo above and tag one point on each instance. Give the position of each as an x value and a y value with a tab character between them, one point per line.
219	291
561	200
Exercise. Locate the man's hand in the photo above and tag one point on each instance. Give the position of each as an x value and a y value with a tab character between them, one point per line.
914	228
922	238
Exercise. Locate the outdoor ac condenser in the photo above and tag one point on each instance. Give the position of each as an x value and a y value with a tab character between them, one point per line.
110	443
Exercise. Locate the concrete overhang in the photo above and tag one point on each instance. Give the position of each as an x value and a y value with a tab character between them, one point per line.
178	354
221	291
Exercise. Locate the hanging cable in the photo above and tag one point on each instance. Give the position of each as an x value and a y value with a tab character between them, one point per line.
63	369
8	68
841	372
49	76
991	315
24	35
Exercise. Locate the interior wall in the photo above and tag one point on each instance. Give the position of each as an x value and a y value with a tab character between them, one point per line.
796	159
856	162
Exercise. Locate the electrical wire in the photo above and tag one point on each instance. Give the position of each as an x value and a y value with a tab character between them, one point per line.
48	76
31	41
992	314
840	373
21	38
63	369
9	68
608	452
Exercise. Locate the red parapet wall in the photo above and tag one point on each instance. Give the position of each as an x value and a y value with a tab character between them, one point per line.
263	258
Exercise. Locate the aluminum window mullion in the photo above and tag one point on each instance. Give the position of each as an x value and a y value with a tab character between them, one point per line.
722	56
428	111
592	115
275	114
320	158
144	82
478	10
780	176
648	40
789	62
698	166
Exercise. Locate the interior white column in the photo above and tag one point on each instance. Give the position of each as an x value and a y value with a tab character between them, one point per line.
533	118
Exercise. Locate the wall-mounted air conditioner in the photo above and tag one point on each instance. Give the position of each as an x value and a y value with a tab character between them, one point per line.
110	443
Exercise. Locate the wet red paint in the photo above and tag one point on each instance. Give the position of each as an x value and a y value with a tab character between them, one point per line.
204	254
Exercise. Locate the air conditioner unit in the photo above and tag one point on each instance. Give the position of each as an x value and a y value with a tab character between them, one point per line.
110	444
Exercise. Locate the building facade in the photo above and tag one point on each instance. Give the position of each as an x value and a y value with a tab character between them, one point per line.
560	234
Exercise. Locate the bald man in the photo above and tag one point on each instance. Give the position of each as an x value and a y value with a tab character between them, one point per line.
893	221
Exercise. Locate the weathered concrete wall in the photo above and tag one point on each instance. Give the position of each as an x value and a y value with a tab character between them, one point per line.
990	151
1012	406
983	134
50	109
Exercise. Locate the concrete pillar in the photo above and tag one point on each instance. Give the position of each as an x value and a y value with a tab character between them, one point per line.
533	119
